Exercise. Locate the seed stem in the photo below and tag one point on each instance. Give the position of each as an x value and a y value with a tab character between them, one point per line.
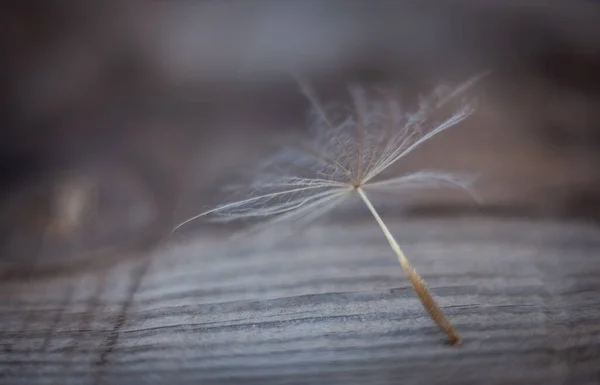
434	310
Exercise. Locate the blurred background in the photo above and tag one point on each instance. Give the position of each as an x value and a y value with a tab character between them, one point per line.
120	119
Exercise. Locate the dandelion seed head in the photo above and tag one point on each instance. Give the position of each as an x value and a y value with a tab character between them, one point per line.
348	148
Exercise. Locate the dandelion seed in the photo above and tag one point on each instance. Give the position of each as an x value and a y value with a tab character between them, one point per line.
349	149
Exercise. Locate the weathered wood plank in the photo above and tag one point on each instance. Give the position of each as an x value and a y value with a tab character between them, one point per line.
329	306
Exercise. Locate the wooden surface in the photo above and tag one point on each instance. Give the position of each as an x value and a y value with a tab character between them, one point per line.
146	139
330	306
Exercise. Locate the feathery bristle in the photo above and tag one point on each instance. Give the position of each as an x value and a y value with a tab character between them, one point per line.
347	148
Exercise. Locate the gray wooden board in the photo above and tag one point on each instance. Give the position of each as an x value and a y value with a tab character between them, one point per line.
329	306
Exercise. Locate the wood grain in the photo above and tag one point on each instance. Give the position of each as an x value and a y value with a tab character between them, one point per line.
329	306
